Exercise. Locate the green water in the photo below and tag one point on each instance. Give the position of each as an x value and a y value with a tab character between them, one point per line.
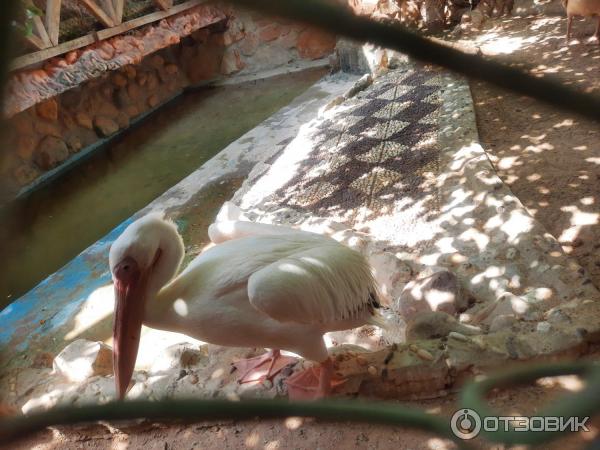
50	227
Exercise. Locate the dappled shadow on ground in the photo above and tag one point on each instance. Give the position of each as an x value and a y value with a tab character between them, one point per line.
549	159
384	149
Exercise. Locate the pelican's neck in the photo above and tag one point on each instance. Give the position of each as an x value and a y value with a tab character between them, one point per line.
169	257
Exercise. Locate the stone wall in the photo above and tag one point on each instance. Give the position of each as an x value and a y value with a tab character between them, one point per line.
124	81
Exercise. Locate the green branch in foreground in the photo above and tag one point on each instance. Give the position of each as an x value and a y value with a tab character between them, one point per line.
330	410
580	404
341	21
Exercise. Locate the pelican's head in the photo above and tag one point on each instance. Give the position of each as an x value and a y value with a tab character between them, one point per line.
142	260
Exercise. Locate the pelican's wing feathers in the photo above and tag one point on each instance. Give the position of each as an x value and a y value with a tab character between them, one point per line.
318	285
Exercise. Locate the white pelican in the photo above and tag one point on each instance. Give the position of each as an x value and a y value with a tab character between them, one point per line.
262	286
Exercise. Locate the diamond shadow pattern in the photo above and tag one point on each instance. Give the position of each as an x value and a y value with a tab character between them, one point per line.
383	149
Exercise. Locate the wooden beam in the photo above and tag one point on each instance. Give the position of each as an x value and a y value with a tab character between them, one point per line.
165	5
37	57
38	26
110	10
98	13
35	42
53	19
119	5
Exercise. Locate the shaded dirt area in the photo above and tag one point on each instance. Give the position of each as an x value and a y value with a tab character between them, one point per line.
548	158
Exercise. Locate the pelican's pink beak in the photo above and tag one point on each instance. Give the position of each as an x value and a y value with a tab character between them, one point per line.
130	293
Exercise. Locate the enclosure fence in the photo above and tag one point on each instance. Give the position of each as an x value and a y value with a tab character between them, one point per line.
586	402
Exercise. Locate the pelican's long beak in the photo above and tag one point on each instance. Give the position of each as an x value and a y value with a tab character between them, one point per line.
130	298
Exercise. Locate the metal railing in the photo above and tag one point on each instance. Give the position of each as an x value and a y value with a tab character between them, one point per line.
583	403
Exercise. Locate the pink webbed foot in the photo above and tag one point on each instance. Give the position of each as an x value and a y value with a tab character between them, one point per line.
313	383
262	367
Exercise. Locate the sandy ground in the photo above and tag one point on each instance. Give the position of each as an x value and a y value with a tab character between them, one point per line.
551	161
548	158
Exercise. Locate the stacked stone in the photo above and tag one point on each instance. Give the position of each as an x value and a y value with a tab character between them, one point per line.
48	133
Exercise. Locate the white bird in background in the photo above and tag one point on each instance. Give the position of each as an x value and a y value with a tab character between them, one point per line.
262	286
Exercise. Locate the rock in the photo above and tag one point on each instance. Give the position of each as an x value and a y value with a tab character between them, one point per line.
107	91
74	143
438	292
48	109
122	99
21	123
152	81
134	91
502	322
543	327
119	80
26	145
83	120
98	390
156	61
83	359
51	152
249	45
288	40
47	128
177	356
232	62
105	126
60	395
130	71
315	44
132	111
437	324
171	69
122	120
474	18
508	304
270	32
25	174
153	101
142	79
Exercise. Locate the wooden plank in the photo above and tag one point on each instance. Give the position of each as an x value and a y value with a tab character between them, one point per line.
98	13
34	58
165	5
119	5
53	19
107	5
40	29
35	42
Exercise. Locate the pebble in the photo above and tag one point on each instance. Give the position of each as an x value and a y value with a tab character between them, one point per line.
372	370
511	253
424	354
458	336
543	327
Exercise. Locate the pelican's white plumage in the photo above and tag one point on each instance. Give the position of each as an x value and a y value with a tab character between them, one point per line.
261	286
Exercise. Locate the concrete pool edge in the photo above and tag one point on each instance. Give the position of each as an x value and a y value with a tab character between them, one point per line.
39	319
